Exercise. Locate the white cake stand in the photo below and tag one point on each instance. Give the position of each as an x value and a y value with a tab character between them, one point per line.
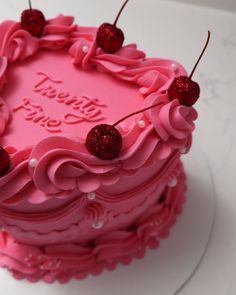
162	272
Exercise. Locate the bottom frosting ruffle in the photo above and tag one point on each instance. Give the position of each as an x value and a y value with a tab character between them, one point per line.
66	261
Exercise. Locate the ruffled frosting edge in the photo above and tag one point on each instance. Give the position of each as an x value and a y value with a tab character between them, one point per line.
121	246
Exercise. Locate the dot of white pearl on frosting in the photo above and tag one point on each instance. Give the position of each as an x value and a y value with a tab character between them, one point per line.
174	67
98	225
85	49
141	124
91	196
33	162
173	182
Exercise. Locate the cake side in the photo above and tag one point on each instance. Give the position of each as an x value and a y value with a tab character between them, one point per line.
65	261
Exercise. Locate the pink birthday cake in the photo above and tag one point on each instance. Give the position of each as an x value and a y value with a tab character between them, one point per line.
64	211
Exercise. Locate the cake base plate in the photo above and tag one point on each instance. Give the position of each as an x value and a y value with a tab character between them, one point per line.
162	272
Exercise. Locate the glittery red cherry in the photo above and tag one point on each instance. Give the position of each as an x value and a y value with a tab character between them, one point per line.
33	21
104	141
4	162
184	88
109	37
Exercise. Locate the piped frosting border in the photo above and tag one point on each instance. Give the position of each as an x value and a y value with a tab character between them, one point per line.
168	127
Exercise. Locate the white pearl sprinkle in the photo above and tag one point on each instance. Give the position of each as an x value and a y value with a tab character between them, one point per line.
141	124
85	49
183	150
33	162
174	67
97	225
91	196
173	182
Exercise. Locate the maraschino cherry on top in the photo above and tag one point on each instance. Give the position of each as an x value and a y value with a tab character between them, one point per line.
184	88
109	37
33	21
105	141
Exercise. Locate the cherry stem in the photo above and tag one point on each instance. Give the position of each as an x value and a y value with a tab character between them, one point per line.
30	5
118	16
136	113
200	57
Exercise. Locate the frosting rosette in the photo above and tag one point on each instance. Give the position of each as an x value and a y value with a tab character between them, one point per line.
152	75
86	53
173	122
84	46
57	32
3	67
124	58
15	43
64	165
4	116
4	111
17	179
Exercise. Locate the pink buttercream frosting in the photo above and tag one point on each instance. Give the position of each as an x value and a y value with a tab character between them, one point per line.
44	198
80	260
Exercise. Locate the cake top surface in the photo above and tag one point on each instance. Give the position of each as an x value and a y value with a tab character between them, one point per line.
55	88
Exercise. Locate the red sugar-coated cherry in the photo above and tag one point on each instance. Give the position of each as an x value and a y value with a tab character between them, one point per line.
4	162
104	141
109	37
33	21
185	90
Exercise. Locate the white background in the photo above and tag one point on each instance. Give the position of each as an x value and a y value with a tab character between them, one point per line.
225	4
176	30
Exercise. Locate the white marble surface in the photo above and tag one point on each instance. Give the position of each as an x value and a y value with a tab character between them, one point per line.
176	30
226	4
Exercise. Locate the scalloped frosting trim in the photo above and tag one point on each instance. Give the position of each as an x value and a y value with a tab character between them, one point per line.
102	209
65	261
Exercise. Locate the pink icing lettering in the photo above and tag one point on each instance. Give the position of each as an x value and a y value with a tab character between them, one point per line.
49	92
86	105
38	88
62	96
51	124
70	118
27	105
72	100
36	115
